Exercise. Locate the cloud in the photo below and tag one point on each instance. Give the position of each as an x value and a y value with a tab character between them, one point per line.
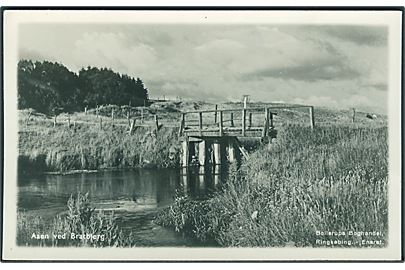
325	64
113	50
361	35
308	72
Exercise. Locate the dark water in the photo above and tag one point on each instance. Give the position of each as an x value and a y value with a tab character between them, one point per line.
134	196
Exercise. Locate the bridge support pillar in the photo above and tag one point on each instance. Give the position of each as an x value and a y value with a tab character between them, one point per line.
185	153
231	152
217	152
202	153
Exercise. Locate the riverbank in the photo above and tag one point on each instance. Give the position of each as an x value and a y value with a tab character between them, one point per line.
331	179
86	146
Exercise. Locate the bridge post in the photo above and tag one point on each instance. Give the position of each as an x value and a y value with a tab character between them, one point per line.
243	122
216	109
200	122
232	124
221	131
182	122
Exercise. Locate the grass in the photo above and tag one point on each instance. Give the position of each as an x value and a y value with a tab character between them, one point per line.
89	147
333	178
80	219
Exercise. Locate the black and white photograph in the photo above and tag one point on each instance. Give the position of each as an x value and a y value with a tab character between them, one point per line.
202	135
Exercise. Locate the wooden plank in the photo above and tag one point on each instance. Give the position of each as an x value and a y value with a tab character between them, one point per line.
235	129
241	149
257	109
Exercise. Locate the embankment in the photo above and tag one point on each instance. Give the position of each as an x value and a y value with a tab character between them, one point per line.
333	178
43	147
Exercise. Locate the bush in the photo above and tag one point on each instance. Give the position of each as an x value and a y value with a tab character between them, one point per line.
99	228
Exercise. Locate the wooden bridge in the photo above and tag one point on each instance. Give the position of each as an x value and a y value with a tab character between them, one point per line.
214	136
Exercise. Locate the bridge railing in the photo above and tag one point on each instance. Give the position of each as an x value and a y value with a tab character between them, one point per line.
239	122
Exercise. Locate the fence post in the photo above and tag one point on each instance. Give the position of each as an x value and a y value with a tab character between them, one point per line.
101	122
354	115
311	117
128	117
221	131
85	110
68	121
266	122
142	115
131	129
112	114
250	119
243	122
156	124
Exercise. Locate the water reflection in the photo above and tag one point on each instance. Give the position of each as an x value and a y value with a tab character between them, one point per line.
135	196
199	182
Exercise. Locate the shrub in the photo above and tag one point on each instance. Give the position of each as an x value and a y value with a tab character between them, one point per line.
80	219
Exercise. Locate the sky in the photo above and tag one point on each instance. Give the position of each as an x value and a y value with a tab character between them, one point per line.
340	66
